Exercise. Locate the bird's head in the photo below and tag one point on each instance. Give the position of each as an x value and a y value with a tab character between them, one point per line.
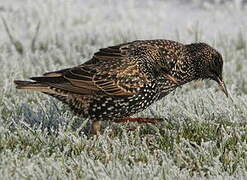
209	64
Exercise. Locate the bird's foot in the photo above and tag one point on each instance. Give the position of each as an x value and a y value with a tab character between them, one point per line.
96	128
139	120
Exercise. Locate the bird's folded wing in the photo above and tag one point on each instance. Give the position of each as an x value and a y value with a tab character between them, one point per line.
96	83
78	80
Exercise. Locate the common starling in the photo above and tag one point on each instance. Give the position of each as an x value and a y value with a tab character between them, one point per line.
122	80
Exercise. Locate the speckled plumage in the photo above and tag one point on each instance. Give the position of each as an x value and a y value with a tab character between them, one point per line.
122	80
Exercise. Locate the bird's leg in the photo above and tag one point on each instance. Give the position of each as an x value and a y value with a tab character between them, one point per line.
95	128
139	120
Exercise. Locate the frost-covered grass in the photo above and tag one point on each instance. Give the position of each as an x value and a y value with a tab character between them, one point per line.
203	135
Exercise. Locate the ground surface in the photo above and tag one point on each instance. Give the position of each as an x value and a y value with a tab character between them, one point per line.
203	135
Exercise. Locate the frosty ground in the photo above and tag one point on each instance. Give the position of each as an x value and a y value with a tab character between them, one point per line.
203	135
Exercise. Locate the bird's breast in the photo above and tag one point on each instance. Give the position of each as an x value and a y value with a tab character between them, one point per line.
117	107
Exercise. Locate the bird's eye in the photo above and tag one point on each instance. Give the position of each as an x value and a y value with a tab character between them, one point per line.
216	62
217	65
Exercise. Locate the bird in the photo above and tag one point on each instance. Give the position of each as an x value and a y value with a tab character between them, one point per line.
122	80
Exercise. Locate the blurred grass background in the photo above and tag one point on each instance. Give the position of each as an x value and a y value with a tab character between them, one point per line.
204	134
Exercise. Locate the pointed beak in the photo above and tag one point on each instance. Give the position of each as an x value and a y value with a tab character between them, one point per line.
222	86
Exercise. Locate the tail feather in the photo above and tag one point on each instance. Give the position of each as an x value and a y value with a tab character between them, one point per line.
29	85
44	79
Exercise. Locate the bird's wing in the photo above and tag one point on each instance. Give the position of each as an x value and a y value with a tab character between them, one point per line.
113	71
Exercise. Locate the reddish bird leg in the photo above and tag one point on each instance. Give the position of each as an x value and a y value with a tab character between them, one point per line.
139	120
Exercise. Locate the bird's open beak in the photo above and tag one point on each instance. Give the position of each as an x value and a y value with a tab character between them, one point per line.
222	86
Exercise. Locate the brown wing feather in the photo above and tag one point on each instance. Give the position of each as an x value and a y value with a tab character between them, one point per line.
95	82
96	76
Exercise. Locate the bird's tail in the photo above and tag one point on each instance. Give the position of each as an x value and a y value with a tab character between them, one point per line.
29	85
